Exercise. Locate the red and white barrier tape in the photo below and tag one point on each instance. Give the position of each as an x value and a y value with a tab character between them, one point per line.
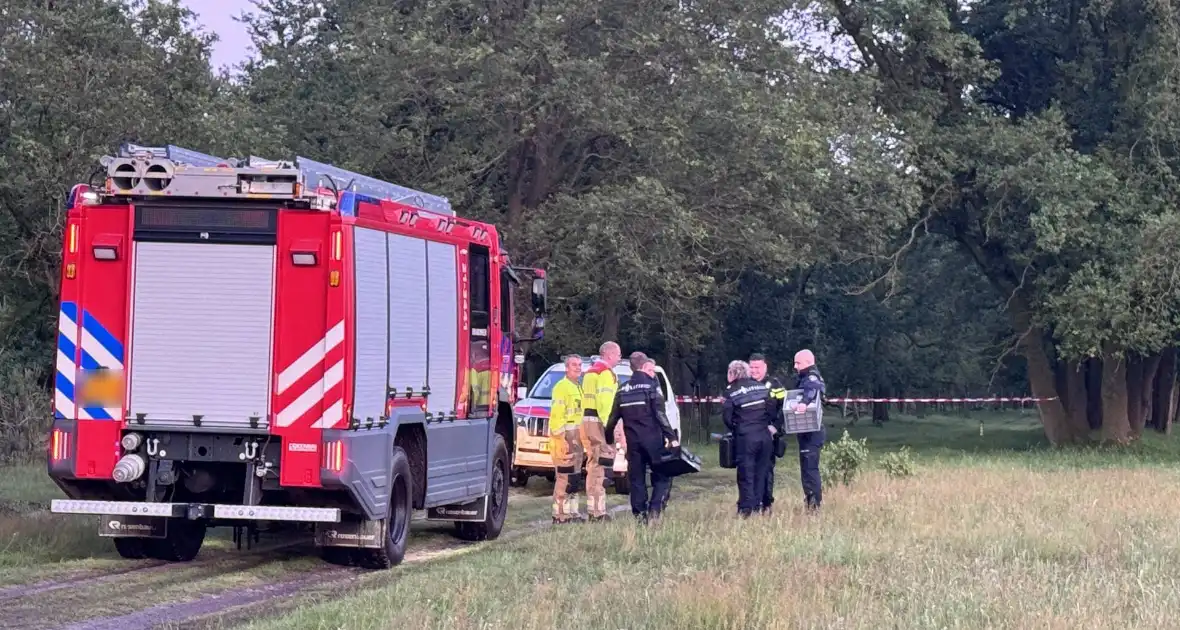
718	399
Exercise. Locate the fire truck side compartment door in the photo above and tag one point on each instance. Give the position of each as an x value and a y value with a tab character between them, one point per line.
456	447
408	322
372	324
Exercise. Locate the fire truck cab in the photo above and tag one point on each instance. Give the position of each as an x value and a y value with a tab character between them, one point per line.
267	341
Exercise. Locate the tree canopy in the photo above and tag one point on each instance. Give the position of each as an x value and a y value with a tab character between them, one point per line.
937	198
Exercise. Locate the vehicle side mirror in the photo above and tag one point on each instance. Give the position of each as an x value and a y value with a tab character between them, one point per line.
540	296
522	392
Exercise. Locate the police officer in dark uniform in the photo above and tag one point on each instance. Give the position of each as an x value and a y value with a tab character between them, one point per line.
640	405
810	443
748	413
778	393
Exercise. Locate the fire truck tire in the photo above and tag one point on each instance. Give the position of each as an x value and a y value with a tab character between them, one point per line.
401	510
132	548
342	556
622	484
520	478
182	542
489	528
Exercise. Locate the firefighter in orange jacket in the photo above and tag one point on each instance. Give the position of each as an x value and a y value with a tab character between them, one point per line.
565	420
598	395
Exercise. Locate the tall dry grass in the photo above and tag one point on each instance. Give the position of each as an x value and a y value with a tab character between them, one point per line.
979	540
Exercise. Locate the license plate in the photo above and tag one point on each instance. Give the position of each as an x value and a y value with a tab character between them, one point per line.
545	446
101	388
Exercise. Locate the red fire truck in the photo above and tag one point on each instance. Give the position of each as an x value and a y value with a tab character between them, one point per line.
247	342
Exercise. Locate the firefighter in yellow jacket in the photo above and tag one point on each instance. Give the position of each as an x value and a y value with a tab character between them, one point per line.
565	419
598	395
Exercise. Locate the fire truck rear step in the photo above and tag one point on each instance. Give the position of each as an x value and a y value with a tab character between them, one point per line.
196	510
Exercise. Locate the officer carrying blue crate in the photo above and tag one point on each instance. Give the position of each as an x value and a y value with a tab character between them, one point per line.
810	443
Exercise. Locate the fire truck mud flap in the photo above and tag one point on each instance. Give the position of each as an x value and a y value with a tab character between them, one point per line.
366	534
474	511
124	526
366	471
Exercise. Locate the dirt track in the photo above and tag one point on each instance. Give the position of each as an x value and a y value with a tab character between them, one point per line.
70	602
218	590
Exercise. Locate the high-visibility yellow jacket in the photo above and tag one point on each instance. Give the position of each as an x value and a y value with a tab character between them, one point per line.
598	391
567	405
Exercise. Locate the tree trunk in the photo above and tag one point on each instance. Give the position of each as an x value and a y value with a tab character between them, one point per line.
1042	381
1075	396
517	170
1140	385
1175	409
610	321
1116	426
1163	395
1093	370
1136	368
880	409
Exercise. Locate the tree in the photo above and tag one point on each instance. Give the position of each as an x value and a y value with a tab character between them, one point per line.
1020	122
650	152
76	79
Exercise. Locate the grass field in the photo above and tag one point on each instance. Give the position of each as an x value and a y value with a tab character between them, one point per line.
992	531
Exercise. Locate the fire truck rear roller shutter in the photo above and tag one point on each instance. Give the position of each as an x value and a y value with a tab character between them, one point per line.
407	313
372	332
444	327
201	336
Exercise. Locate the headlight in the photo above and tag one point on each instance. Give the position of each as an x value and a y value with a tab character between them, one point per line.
521	420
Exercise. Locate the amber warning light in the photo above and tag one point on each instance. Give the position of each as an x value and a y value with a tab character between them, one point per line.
102	387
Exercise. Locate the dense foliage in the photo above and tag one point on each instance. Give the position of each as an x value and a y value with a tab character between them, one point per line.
936	198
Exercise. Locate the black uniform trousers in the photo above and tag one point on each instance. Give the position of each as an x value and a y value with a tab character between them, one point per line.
755	450
768	493
809	448
639	460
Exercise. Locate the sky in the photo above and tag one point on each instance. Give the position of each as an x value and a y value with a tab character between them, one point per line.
233	45
217	16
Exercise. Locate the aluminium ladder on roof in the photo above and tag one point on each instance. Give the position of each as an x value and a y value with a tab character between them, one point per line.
314	174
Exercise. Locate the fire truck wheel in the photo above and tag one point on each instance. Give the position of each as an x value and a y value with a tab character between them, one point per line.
342	556
622	484
132	548
397	531
520	478
182	542
489	528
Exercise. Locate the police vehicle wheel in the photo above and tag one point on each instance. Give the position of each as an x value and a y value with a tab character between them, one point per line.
622	484
520	478
397	531
489	528
182	543
132	548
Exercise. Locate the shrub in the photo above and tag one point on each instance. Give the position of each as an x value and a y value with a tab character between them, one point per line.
841	461
25	415
898	464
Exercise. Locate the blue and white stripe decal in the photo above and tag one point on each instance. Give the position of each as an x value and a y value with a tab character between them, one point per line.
67	371
99	349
